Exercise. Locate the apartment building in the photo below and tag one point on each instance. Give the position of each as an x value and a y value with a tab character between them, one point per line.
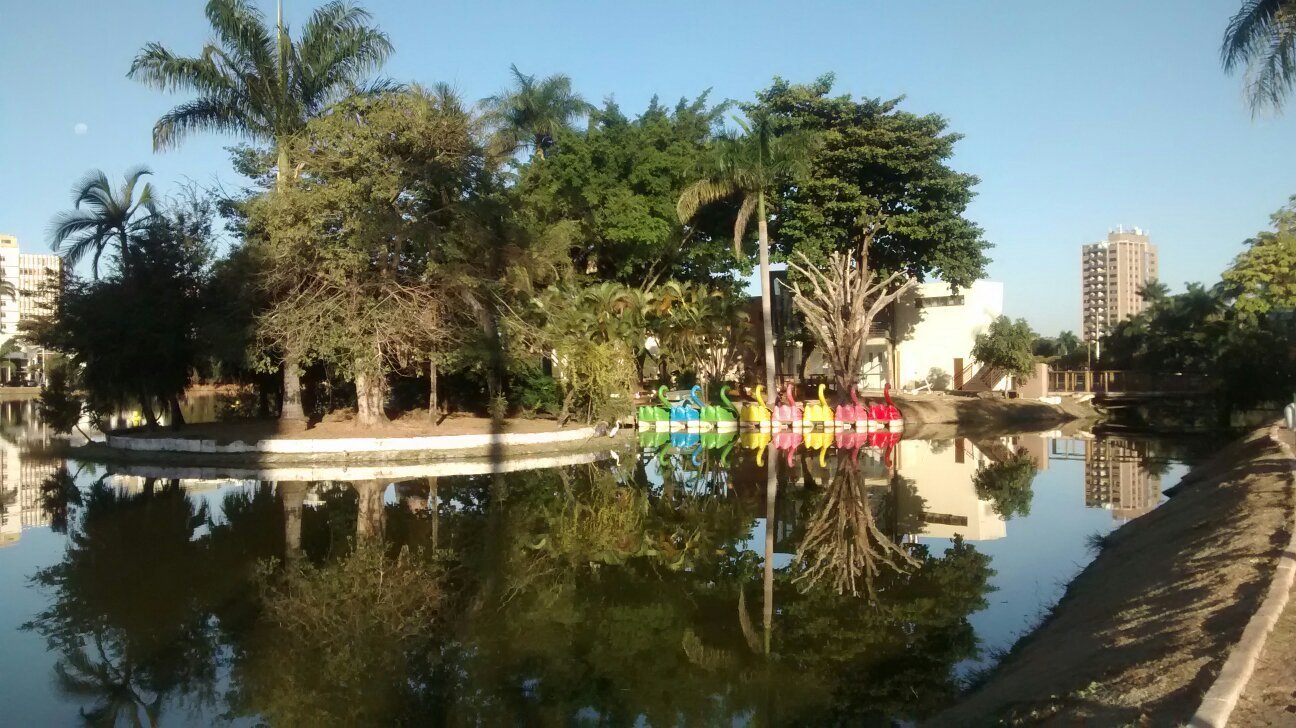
1112	273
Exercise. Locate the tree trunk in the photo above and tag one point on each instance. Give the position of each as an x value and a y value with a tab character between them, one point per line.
369	519
771	498
807	348
767	320
292	494
369	399
291	409
177	416
146	407
433	403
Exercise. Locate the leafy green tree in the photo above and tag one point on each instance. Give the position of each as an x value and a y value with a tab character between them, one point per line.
59	405
748	167
532	112
617	182
1263	278
1007	484
1262	37
256	82
1007	345
133	335
103	216
875	160
366	291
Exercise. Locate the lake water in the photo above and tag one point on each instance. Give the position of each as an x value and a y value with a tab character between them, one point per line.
631	590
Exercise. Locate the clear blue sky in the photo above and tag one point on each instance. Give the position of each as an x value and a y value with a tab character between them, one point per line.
1077	116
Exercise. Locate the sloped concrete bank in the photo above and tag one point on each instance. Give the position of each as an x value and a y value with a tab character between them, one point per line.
990	412
1141	634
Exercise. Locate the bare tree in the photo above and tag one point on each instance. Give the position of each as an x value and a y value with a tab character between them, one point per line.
843	544
844	298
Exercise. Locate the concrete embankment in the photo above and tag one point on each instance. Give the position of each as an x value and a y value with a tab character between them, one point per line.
993	411
1143	631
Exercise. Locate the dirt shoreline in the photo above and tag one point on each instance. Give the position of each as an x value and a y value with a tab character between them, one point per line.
1142	632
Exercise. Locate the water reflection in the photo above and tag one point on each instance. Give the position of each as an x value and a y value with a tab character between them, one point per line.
675	586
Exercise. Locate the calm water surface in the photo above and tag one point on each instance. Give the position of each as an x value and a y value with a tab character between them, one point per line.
630	590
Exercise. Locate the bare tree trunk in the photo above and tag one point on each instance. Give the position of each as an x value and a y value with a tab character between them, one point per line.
767	320
369	399
291	409
771	498
292	494
433	403
369	519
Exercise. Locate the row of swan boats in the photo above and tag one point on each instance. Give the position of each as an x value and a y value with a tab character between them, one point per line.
691	413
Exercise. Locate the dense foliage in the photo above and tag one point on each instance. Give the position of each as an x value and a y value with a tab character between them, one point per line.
1239	335
398	246
1007	346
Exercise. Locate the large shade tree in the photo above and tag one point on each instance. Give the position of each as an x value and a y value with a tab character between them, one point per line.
617	182
749	167
358	232
1261	37
255	81
104	216
875	159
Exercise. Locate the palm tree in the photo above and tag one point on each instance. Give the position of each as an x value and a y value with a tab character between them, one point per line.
1262	36
748	166
531	112
1067	342
258	83
102	216
255	81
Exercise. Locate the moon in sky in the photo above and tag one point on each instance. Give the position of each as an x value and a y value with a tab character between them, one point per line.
80	129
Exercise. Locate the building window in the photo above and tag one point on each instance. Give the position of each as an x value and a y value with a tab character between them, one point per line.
935	301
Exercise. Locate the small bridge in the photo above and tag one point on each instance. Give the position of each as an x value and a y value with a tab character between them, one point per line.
1114	384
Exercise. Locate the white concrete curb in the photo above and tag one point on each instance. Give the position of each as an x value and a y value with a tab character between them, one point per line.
350	445
1223	695
365	472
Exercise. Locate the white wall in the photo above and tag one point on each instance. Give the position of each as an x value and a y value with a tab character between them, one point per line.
937	335
9	272
945	485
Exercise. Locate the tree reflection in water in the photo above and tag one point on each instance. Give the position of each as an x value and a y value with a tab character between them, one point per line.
569	595
125	614
843	544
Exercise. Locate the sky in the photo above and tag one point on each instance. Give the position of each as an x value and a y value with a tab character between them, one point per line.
1077	117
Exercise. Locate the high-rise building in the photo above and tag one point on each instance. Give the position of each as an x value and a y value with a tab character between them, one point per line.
1111	274
35	278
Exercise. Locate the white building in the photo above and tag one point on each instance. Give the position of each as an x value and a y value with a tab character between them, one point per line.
935	330
34	278
944	481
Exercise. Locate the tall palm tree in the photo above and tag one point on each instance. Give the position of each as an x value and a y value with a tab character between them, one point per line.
531	112
747	167
102	216
255	81
1262	37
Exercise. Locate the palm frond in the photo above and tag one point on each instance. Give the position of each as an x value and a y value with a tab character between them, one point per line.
208	113
1262	36
741	222
702	193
